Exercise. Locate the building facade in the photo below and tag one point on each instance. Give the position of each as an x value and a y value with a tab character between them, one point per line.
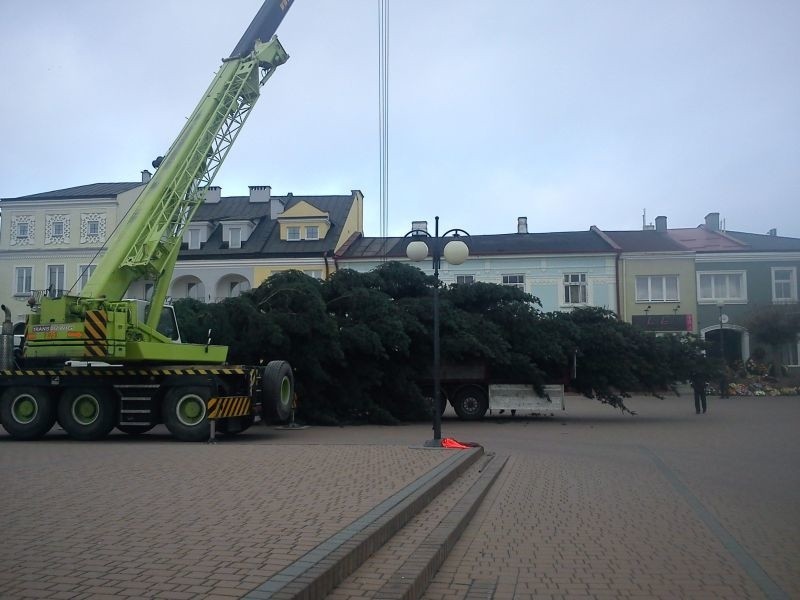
563	269
49	242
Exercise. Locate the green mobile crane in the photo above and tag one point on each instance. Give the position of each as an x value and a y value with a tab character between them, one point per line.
95	361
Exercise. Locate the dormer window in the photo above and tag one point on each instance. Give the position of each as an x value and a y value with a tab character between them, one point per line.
235	237
194	239
303	221
236	233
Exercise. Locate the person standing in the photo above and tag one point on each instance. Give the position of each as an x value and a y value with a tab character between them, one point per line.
699	387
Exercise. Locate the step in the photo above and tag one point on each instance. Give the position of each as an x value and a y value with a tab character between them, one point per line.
404	567
320	570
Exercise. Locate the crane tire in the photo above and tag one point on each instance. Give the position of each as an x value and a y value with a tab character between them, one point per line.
87	413
27	413
471	402
277	392
185	413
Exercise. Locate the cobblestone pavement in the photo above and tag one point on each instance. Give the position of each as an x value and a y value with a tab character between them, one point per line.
169	520
666	504
591	504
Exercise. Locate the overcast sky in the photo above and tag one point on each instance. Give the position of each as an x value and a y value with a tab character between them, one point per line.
571	113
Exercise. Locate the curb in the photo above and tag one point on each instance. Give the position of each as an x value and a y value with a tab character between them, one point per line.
412	579
317	572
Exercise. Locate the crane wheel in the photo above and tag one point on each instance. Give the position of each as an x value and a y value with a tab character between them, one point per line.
27	413
87	413
185	412
277	392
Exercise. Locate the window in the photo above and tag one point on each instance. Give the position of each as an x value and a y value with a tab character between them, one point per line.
24	280
194	239
517	281
722	285
22	231
55	280
292	233
575	288
84	272
56	229
784	284
93	228
312	232
657	288
465	279
789	354
235	237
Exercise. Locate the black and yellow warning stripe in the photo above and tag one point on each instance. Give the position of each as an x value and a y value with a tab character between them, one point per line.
117	372
228	406
95	332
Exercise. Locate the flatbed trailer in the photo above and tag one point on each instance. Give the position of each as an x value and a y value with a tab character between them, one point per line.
472	392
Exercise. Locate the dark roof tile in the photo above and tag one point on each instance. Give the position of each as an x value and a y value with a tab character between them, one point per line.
645	241
566	242
92	190
265	238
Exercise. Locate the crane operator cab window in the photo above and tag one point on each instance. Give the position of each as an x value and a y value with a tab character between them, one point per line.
167	323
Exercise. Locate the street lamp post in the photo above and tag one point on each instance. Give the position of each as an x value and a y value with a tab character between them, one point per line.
723	387
455	252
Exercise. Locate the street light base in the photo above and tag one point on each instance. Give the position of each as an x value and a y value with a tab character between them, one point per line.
433	443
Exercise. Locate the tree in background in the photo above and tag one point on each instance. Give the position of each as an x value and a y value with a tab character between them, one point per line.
775	326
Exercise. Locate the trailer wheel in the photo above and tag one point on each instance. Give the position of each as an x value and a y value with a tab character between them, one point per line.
470	402
427	394
277	391
27	413
134	429
186	414
87	413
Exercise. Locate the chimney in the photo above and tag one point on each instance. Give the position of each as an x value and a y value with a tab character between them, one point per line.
146	176
772	232
661	223
213	194
522	224
419	226
260	193
712	221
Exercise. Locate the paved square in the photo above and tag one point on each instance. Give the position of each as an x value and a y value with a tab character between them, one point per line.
591	504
